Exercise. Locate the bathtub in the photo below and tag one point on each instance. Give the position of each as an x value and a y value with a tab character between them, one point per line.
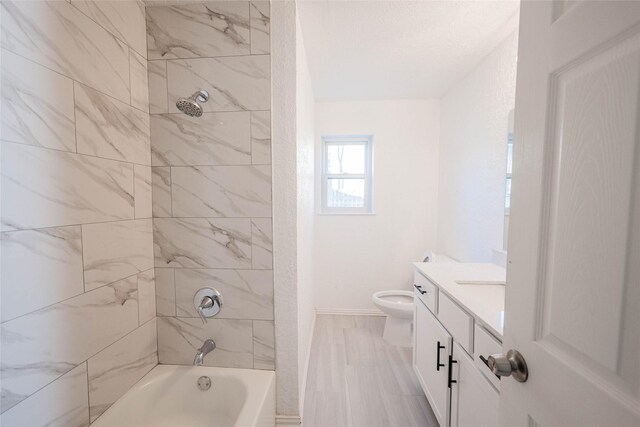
168	396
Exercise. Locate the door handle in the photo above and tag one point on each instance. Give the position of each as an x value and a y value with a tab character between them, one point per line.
512	363
450	379
438	364
419	288
486	362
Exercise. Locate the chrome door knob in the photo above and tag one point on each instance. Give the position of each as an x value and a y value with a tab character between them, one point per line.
511	364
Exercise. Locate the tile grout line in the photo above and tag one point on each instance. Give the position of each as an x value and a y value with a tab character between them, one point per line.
74	367
73	80
130	87
178	218
88	392
24	144
108	31
75	115
75	296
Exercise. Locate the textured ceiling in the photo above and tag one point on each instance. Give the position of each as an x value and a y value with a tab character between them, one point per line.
360	50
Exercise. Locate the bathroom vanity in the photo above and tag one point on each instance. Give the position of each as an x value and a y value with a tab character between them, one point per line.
459	312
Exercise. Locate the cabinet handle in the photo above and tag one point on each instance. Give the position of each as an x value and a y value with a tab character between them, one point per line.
486	362
450	379
419	288
438	364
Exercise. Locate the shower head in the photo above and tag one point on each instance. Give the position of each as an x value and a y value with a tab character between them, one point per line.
190	106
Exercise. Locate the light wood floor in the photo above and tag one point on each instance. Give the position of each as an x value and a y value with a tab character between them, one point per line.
356	379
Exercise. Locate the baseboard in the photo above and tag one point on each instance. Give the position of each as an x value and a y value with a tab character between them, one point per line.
350	311
287	420
305	372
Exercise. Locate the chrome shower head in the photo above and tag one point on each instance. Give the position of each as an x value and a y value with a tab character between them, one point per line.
190	106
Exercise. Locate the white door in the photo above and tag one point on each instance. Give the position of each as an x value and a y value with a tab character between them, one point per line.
573	279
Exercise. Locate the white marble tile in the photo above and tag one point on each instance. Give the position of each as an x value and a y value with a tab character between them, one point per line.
161	184
143	191
212	139
202	242
139	81
41	346
115	250
261	137
221	191
165	292
47	188
195	30
261	243
37	105
247	294
60	37
260	27
108	128
157	72
118	367
39	268
234	83
146	296
63	403
124	19
179	339
264	356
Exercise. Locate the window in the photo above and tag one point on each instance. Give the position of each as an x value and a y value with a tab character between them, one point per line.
347	174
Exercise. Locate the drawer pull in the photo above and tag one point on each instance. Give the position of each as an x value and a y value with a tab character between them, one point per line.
486	362
450	379
419	288
438	364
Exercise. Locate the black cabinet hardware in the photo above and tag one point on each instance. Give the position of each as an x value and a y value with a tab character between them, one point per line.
450	379
419	288
438	364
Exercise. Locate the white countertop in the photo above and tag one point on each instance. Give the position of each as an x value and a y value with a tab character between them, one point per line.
484	299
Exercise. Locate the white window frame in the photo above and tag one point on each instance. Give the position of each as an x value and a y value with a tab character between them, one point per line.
329	140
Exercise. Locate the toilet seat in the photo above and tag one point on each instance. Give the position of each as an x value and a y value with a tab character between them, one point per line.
398	306
395	303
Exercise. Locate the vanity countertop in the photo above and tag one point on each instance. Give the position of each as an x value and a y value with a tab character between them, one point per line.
482	295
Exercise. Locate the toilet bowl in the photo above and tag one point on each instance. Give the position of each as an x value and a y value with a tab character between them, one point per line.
398	305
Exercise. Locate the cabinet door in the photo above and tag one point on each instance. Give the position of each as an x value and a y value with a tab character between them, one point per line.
432	345
474	401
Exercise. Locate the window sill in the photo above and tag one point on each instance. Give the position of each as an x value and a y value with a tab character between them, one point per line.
346	214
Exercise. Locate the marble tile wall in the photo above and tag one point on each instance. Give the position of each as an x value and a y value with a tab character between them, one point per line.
211	179
78	296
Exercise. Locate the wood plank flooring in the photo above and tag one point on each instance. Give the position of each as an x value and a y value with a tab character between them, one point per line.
356	379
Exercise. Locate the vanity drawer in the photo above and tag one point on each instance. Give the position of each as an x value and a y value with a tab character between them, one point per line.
484	346
456	321
426	291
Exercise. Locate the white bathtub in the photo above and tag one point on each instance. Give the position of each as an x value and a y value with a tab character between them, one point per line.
169	396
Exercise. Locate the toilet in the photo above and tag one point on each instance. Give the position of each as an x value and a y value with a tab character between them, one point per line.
398	306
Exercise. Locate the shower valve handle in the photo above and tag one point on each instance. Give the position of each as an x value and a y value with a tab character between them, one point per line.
207	303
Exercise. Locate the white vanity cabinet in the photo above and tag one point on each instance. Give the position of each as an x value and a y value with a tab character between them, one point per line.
432	348
459	387
474	402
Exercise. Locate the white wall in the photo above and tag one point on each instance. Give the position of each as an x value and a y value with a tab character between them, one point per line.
283	105
357	255
473	149
305	104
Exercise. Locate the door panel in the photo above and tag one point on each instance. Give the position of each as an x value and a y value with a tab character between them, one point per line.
588	211
428	333
573	294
